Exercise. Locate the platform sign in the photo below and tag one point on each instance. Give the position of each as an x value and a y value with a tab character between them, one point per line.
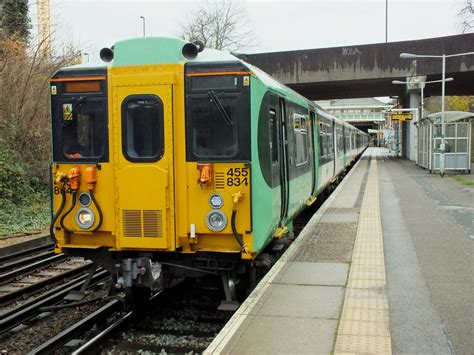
407	116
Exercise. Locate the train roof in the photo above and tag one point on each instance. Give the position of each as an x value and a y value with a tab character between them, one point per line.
161	50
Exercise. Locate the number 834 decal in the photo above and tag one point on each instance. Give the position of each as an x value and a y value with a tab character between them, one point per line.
237	176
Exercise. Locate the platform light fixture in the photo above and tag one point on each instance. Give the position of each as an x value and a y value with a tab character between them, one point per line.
443	81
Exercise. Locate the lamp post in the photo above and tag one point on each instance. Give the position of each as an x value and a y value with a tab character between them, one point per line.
143	19
386	21
443	80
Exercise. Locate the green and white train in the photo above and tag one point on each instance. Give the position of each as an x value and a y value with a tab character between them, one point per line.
174	161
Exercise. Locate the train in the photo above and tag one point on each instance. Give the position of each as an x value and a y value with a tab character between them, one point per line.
171	161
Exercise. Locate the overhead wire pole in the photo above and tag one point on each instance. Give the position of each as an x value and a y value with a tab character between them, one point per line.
43	15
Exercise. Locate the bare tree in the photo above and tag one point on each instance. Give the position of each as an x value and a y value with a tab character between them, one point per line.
24	100
466	14
220	25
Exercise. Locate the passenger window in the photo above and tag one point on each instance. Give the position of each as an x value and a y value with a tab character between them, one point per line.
322	140
272	123
301	139
142	128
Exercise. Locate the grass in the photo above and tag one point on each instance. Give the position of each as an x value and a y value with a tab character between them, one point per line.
462	180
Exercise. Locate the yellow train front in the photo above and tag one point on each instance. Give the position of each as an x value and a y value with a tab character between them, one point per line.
134	181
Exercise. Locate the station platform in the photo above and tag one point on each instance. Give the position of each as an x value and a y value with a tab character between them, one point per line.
370	273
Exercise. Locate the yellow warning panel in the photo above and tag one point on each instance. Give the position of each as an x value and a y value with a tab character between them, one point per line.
67	112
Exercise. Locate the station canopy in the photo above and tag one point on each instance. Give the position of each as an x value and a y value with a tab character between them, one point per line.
450	116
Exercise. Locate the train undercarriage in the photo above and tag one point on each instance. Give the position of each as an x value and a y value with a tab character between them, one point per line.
136	276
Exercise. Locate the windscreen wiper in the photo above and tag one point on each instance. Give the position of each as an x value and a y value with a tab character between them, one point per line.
73	111
220	107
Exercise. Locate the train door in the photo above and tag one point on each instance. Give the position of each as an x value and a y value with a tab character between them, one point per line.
283	153
334	147
144	161
345	148
312	134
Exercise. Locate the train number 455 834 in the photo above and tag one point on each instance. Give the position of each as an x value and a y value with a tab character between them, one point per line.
237	176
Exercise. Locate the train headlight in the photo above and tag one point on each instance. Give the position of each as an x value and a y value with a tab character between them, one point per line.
216	201
85	199
216	220
85	218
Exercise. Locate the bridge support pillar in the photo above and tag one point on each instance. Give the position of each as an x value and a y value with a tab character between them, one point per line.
410	128
409	131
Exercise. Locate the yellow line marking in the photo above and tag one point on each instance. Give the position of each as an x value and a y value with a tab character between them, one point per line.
365	323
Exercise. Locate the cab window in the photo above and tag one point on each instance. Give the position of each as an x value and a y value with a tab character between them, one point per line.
213	126
217	113
80	134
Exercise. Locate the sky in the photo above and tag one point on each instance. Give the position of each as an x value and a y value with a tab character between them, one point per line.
277	25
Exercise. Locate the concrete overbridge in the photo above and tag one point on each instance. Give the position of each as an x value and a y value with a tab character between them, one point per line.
368	70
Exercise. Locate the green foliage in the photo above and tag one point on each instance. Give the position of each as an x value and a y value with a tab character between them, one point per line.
452	103
14	186
24	205
15	19
31	215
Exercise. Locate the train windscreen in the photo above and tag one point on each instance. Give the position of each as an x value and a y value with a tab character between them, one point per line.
79	119
217	114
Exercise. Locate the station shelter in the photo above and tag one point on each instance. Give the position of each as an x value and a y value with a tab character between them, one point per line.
458	141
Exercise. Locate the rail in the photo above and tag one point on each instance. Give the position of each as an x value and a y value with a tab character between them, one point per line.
85	324
8	276
31	308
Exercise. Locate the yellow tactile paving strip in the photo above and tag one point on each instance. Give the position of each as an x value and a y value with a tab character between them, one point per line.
364	324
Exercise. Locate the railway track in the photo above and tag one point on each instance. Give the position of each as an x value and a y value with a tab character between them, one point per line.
179	321
26	253
186	321
21	278
42	321
14	316
80	327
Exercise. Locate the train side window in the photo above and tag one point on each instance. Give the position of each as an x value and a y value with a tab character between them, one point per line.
321	140
330	140
301	139
340	139
142	128
272	123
